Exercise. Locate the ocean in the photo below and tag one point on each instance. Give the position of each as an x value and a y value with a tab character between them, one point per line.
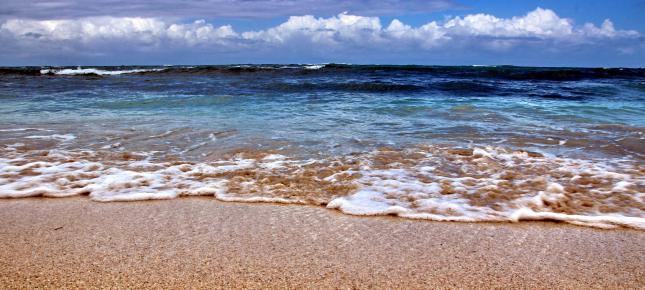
462	143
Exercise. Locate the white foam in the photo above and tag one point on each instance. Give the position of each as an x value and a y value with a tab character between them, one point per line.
60	137
105	183
113	145
481	152
400	192
315	66
24	129
84	71
604	221
164	134
366	202
274	161
416	190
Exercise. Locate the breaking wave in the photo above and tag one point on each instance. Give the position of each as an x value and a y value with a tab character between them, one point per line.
489	72
94	71
425	182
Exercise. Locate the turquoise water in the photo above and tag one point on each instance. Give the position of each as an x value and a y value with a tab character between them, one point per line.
440	143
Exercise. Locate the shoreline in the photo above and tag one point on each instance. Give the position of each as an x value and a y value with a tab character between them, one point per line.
205	243
429	182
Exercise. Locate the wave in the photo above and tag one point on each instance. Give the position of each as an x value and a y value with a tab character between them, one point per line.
557	96
455	87
24	130
94	71
502	72
59	137
492	72
315	66
425	182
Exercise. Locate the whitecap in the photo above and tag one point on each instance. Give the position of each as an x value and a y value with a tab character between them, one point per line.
59	137
85	71
314	66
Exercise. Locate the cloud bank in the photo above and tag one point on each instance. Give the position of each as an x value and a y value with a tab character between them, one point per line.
317	38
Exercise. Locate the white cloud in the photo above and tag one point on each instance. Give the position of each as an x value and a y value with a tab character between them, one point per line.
343	31
200	32
537	23
85	30
144	30
494	32
340	30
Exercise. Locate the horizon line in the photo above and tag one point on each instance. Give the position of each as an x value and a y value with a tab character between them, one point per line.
325	63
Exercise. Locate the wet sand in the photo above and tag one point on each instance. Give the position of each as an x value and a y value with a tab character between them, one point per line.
204	243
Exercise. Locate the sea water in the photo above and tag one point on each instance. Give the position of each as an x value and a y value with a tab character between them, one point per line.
429	142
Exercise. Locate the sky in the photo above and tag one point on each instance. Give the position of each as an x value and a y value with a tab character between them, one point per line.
587	33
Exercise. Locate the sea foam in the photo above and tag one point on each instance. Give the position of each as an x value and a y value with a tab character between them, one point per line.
94	71
314	66
427	182
493	184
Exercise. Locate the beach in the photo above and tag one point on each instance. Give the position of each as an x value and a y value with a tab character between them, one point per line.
265	144
322	176
200	242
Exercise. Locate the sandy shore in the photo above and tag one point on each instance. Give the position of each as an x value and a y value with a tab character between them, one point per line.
203	243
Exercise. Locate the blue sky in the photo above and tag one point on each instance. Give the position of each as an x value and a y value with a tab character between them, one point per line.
446	32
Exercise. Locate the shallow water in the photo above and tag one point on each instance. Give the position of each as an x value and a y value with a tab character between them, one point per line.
442	143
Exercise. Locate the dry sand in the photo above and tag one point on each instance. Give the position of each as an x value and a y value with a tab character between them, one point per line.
203	243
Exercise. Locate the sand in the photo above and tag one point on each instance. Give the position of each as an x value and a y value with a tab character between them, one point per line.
204	243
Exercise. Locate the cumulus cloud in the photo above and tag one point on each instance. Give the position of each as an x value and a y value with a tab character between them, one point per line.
345	32
139	30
